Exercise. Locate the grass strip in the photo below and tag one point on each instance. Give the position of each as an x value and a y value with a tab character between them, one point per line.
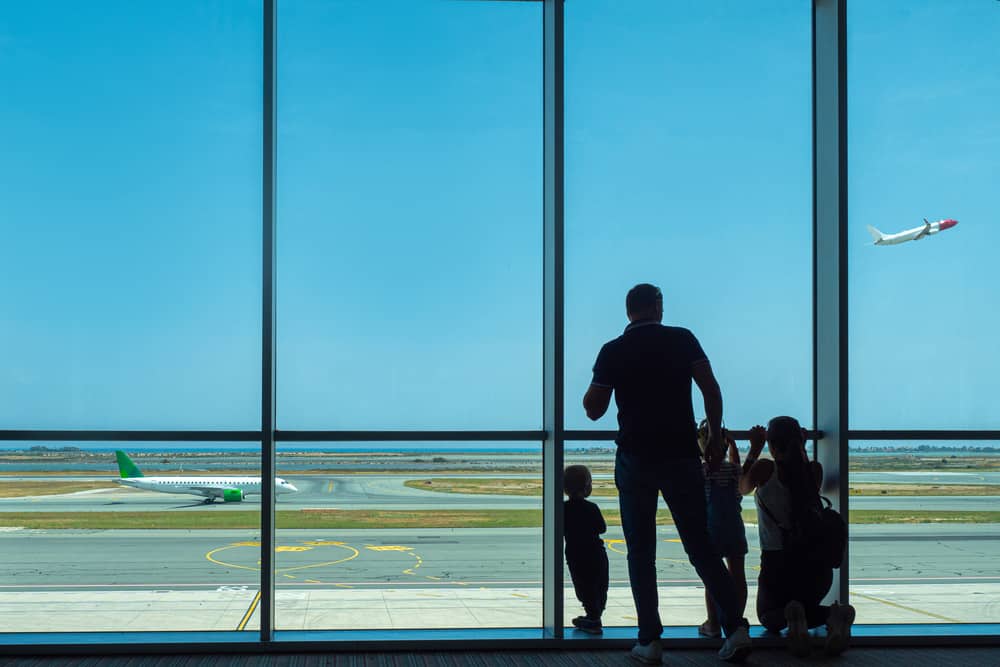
19	489
606	487
379	519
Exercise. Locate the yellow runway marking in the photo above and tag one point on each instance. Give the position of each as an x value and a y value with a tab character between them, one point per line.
905	608
210	556
329	487
388	547
250	611
612	544
520	595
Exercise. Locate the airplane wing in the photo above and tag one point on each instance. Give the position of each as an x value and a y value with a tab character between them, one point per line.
923	232
207	491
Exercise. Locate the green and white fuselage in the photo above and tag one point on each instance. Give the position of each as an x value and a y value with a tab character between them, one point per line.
226	489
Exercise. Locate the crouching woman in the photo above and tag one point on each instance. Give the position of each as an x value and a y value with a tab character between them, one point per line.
792	582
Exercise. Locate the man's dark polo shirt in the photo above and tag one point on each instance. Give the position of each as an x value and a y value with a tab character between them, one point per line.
649	369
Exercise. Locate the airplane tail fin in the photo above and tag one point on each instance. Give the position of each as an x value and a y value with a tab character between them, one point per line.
876	234
126	467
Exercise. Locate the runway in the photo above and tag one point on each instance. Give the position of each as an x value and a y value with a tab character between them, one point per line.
384	492
505	557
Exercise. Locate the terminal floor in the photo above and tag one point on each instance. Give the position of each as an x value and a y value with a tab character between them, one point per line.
859	657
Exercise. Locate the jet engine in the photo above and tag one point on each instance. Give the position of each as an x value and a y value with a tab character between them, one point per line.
232	495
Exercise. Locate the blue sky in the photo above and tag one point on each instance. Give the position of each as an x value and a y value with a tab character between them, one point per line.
409	202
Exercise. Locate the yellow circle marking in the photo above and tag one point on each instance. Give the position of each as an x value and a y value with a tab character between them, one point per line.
210	556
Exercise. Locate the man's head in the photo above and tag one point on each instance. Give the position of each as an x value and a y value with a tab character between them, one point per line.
576	481
644	302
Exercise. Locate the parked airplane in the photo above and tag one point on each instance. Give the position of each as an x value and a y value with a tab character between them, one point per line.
914	234
229	489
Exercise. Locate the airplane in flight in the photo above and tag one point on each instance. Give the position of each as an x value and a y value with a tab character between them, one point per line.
914	234
228	489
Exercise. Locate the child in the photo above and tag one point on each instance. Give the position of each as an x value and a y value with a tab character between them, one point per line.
585	555
725	524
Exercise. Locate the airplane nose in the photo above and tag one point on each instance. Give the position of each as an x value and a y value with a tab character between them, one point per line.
291	487
948	224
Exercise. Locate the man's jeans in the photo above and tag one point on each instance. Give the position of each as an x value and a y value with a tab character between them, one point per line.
682	482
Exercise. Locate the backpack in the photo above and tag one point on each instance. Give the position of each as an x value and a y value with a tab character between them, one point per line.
820	536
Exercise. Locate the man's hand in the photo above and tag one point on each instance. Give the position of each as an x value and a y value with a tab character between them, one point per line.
715	451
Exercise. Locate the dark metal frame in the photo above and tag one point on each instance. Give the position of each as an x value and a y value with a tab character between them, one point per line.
830	382
553	403
830	360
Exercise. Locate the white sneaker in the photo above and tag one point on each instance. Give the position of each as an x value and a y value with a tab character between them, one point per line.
838	628
737	647
650	654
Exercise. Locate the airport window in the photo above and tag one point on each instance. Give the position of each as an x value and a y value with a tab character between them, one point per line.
85	552
924	531
702	190
417	198
409	535
410	209
131	215
410	266
922	153
666	182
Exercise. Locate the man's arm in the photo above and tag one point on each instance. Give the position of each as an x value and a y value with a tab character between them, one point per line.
712	395
596	401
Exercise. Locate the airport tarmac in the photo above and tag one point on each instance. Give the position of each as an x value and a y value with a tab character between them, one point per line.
91	580
75	580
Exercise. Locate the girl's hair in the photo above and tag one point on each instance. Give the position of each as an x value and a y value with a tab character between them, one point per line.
785	436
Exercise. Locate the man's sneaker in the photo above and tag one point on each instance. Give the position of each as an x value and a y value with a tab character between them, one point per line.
798	629
838	628
589	625
650	654
737	647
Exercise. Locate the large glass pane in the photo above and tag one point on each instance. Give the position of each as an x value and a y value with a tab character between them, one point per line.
925	531
688	165
688	147
92	541
924	147
130	212
409	535
409	252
